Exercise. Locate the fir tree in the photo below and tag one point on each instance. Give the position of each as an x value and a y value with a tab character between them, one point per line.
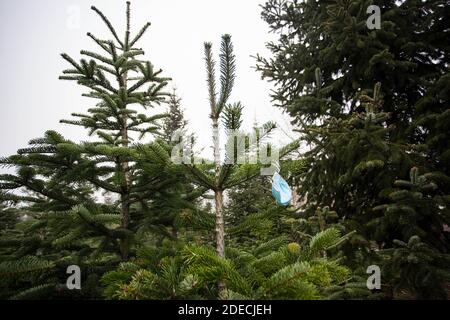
351	162
225	174
414	204
175	122
324	63
335	38
222	175
251	213
416	270
114	118
274	269
62	178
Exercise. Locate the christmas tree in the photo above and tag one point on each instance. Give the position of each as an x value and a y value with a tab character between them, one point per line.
324	64
90	200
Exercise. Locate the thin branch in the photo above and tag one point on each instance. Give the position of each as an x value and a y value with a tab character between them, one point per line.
109	25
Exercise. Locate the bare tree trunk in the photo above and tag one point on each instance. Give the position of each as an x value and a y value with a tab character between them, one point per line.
218	199
220	230
218	195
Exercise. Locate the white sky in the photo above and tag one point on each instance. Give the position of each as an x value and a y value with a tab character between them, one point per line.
34	33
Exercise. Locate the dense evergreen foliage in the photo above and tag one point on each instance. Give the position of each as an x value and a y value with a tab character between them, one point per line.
145	219
373	106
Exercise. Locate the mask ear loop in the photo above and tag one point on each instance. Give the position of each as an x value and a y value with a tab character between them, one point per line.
276	164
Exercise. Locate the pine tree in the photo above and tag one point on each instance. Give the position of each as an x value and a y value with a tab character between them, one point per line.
334	37
413	206
59	180
228	174
252	215
249	213
175	122
352	161
416	270
325	62
222	175
114	119
409	55
275	269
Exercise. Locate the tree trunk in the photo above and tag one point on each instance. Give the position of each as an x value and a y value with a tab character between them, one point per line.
125	197
125	242
125	188
218	199
174	232
220	230
218	194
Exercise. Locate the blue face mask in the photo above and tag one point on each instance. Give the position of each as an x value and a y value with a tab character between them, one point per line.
281	190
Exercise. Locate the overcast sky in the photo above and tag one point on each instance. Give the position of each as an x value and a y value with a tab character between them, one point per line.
34	33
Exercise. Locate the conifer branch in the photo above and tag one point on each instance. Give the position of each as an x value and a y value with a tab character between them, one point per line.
210	78
108	24
101	43
227	71
140	34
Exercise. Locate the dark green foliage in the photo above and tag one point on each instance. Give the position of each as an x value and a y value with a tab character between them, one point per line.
418	269
371	107
413	207
91	201
351	163
408	54
418	264
325	63
273	270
